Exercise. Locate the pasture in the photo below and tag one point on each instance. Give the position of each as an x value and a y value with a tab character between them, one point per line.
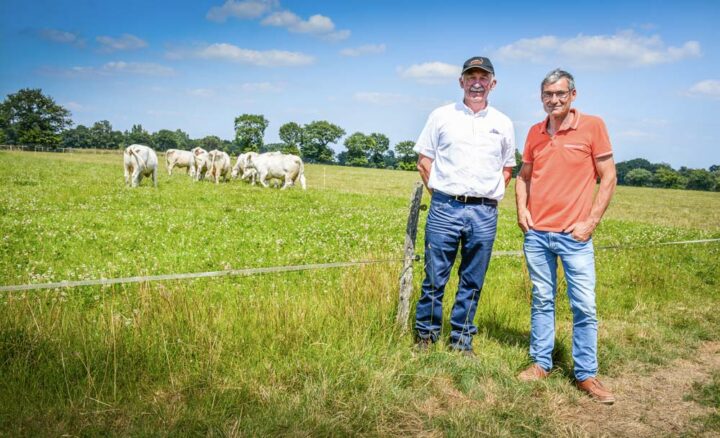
317	353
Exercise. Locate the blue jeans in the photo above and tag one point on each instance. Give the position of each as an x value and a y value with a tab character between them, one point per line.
452	224
542	249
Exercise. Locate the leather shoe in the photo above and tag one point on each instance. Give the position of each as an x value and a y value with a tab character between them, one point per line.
596	390
533	372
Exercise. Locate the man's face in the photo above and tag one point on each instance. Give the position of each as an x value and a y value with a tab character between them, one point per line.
557	98
476	85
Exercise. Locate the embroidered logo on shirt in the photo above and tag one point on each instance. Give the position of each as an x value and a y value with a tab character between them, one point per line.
494	131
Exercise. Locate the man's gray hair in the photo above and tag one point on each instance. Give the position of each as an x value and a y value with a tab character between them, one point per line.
555	76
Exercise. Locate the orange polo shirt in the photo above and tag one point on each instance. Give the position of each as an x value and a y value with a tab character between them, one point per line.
562	185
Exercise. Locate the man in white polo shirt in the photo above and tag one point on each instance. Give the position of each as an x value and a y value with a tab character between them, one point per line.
466	155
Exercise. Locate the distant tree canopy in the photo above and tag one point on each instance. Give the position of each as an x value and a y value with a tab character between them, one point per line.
32	118
316	138
249	131
406	157
641	172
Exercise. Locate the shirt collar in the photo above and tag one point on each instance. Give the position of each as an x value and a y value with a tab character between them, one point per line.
467	110
573	123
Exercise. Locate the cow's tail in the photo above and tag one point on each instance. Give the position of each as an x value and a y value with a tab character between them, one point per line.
138	158
213	171
301	174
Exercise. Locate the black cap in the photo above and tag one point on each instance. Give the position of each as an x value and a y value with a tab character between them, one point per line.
478	62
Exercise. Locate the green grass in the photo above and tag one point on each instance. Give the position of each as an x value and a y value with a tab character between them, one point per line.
302	353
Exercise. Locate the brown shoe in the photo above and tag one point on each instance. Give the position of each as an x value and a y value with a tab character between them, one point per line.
533	372
596	390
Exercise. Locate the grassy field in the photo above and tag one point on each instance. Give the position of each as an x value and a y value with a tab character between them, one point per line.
313	353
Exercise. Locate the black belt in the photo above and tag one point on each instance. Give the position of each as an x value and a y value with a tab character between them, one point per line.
473	200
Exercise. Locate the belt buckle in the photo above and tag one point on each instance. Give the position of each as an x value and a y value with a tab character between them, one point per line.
459	198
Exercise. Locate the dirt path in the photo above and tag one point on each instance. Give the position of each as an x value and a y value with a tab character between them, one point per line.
646	406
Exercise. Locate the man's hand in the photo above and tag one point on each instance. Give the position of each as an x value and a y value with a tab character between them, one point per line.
525	221
582	230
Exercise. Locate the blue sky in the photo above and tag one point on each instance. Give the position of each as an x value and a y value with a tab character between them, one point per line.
652	72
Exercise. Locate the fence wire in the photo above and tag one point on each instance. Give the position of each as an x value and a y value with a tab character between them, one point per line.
279	269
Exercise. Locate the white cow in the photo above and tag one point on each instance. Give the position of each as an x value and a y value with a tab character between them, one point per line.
289	168
140	160
177	158
241	168
219	164
201	156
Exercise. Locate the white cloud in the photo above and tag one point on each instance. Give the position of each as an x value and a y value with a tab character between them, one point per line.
202	92
229	52
369	49
261	87
430	72
707	88
624	49
247	9
62	37
74	106
376	98
114	68
125	42
319	25
635	134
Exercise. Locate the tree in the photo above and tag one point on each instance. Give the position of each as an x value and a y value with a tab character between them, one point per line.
623	167
638	177
165	139
249	131
389	159
138	135
666	177
700	179
211	142
406	156
316	138
358	145
30	117
292	135
183	140
102	135
78	137
376	152
518	163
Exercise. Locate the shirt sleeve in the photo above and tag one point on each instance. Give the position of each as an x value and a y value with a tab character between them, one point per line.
601	146
426	143
508	146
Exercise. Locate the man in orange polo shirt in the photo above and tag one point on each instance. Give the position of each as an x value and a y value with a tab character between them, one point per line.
558	211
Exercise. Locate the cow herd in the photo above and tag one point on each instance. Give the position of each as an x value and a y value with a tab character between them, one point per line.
141	161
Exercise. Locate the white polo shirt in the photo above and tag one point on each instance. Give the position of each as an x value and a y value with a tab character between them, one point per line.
469	150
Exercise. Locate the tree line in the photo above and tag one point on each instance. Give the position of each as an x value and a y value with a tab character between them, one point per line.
29	117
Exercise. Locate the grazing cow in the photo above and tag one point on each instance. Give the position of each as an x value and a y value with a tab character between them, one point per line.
201	157
140	160
219	164
288	168
177	158
241	168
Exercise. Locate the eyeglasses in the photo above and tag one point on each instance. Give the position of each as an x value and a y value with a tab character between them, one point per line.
561	95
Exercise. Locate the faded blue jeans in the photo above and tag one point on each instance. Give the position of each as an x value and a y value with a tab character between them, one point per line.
542	249
452	224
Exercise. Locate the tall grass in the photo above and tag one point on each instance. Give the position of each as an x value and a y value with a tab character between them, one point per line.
303	353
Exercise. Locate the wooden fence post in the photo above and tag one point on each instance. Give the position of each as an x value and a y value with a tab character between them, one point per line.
406	276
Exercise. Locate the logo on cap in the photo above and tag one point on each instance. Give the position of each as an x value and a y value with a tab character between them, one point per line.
476	62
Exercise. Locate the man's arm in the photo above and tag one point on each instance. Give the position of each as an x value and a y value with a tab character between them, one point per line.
424	165
507	175
605	167
522	190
